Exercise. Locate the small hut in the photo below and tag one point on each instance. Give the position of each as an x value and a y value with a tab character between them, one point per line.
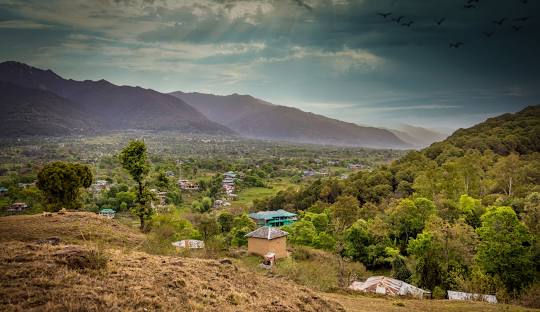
266	240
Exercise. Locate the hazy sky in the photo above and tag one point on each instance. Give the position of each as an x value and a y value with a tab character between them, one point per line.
334	57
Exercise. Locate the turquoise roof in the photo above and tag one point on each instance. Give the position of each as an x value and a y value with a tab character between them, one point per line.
107	210
268	215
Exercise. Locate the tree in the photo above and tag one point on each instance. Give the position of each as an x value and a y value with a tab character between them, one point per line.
399	267
505	248
344	212
302	232
407	218
507	173
427	271
225	220
357	240
61	183
206	204
207	226
134	160
242	225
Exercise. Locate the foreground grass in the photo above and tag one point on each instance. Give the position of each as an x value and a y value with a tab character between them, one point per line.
361	303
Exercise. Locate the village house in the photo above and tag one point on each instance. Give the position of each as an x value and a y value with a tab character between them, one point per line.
169	174
107	213
100	185
229	174
273	218
17	207
355	166
186	185
265	240
3	191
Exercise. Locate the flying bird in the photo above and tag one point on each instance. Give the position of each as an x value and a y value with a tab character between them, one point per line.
471	1
522	19
456	45
408	24
517	28
500	22
469	6
439	22
385	15
398	20
488	33
524	1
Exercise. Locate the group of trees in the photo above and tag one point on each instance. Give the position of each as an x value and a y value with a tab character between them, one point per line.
461	214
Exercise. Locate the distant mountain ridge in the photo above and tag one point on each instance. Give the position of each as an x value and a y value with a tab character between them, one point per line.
26	111
112	107
418	136
255	118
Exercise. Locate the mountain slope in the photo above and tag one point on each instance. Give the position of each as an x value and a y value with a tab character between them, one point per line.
417	136
255	118
505	134
115	107
25	111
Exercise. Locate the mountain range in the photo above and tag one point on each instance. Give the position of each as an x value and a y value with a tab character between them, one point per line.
255	118
105	106
34	101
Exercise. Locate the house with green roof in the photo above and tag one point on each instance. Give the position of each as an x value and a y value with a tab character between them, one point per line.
107	212
273	218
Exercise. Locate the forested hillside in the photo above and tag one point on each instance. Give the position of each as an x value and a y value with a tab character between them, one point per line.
462	214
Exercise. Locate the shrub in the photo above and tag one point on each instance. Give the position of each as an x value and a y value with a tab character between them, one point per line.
438	293
531	296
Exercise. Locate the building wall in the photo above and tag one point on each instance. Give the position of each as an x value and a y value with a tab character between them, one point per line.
262	246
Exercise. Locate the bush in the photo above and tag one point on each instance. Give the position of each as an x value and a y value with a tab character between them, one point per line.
531	296
438	293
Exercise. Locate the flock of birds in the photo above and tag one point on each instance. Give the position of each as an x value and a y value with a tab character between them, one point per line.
469	4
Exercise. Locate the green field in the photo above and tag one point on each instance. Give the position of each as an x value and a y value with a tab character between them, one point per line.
246	197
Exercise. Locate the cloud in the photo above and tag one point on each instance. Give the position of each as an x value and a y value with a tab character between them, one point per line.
23	24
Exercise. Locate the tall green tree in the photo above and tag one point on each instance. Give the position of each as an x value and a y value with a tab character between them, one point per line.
134	160
407	218
505	248
61	182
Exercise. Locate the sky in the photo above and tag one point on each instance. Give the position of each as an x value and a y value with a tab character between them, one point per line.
338	58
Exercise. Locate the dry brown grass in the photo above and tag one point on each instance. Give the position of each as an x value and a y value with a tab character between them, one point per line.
73	277
71	227
361	303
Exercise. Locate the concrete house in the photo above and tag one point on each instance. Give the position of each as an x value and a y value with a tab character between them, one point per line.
273	218
265	240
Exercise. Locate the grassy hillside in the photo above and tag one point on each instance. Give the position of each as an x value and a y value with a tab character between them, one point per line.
97	267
